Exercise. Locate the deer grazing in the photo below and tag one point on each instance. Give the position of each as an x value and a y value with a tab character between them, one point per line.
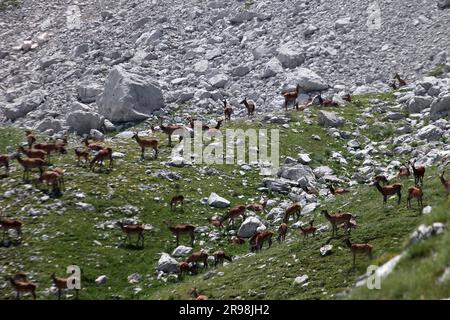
101	156
179	229
4	162
418	172
327	102
227	110
22	285
250	105
237	240
291	96
235	212
417	193
185	268
389	190
200	256
401	82
337	191
30	138
61	284
51	178
92	145
258	239
10	224
348	226
30	163
132	229
445	183
258	207
293	210
33	153
337	219
308	230
194	293
282	232
220	256
404	172
146	143
47	147
175	200
216	221
82	153
359	248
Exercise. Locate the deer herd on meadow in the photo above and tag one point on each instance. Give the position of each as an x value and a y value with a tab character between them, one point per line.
94	153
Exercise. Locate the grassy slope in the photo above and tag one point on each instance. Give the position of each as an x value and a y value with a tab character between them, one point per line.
72	232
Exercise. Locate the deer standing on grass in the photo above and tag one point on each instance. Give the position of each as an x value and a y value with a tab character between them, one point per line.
381	179
200	256
194	293
235	212
308	230
257	241
179	229
227	110
61	284
445	183
337	219
4	162
220	256
101	156
10	224
33	153
22	285
291	96
359	248
146	143
30	163
404	172
51	178
82	153
132	229
185	268
389	190
293	210
176	200
250	105
258	207
47	147
92	145
169	130
348	226
418	172
417	193
282	232
30	138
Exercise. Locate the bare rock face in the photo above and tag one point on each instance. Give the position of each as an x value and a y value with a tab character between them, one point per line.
128	97
444	4
82	121
25	105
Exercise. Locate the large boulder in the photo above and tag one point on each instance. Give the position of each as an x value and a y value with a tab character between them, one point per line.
49	123
329	119
167	264
217	201
88	92
24	105
444	4
440	108
82	121
128	97
272	68
307	79
417	104
181	251
430	133
290	56
296	172
249	227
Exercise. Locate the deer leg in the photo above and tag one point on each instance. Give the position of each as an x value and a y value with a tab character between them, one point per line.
142	153
59	294
354	259
17	295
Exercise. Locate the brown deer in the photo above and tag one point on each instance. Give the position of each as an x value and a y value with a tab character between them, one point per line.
327	102
338	190
175	200
401	82
101	156
185	268
348	226
61	284
359	248
237	240
132	229
30	138
200	256
227	110
33	153
235	212
347	97
179	229
290	96
381	179
258	207
282	232
337	219
47	147
216	221
418	172
293	210
51	178
389	190
445	183
220	256
393	85
415	192
257	241
4	162
250	105
30	163
21	285
309	230
82	153
404	172
144	143
92	145
10	224
169	130
194	293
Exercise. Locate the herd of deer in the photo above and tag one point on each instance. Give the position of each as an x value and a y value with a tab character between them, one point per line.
36	159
